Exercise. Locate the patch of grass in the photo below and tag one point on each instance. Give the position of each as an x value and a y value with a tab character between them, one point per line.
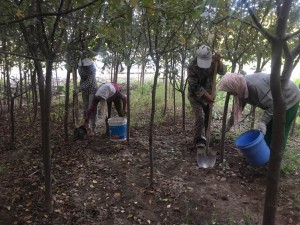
249	218
297	201
231	222
291	159
298	124
2	168
186	218
141	103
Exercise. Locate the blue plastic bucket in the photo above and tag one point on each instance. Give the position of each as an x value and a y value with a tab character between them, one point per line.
117	128
253	146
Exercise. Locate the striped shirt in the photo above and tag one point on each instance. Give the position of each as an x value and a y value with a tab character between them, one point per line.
88	83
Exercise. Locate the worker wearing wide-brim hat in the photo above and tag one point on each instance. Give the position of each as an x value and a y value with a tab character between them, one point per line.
88	87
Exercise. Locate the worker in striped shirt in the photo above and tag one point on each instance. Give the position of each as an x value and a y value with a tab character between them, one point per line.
88	87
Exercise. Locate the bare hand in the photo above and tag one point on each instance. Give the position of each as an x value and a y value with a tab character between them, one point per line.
209	97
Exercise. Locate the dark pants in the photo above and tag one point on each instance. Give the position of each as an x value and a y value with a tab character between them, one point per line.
201	114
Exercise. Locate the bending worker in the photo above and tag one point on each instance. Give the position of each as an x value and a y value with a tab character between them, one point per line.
255	90
107	94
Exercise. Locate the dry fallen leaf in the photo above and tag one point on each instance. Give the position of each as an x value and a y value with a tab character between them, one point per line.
117	195
27	217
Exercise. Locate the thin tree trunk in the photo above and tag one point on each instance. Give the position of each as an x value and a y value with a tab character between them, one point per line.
142	79
34	95
27	98
223	135
166	87
182	89
174	101
46	134
57	90
75	99
21	84
128	103
6	71
223	132
12	123
173	81
1	89
152	123
67	98
271	199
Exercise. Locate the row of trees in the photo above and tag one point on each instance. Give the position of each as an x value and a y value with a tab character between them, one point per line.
38	35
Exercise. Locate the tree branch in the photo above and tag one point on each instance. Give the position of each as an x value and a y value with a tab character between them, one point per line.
33	58
257	23
56	24
296	51
292	35
48	14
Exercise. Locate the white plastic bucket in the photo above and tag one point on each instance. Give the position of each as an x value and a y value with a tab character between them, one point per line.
117	128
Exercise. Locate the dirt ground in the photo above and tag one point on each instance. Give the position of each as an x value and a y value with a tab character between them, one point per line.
103	182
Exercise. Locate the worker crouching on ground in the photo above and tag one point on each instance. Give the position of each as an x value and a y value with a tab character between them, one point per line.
200	76
255	90
107	94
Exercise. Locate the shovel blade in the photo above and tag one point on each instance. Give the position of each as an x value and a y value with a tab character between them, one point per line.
206	159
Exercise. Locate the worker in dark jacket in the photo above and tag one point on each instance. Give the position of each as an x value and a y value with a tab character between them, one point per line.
88	87
200	75
107	94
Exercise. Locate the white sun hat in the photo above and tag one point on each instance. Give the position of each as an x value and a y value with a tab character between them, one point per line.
85	62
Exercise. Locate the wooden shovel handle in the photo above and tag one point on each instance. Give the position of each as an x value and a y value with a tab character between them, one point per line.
211	106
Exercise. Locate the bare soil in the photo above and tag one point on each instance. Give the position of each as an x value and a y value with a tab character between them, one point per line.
98	181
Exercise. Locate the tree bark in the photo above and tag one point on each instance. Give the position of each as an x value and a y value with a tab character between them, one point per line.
67	99
46	134
270	207
152	122
166	87
128	103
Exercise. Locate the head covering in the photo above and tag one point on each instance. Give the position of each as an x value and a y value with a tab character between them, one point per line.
204	56
235	84
85	62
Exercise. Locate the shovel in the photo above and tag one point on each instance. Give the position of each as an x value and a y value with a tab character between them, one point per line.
205	157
